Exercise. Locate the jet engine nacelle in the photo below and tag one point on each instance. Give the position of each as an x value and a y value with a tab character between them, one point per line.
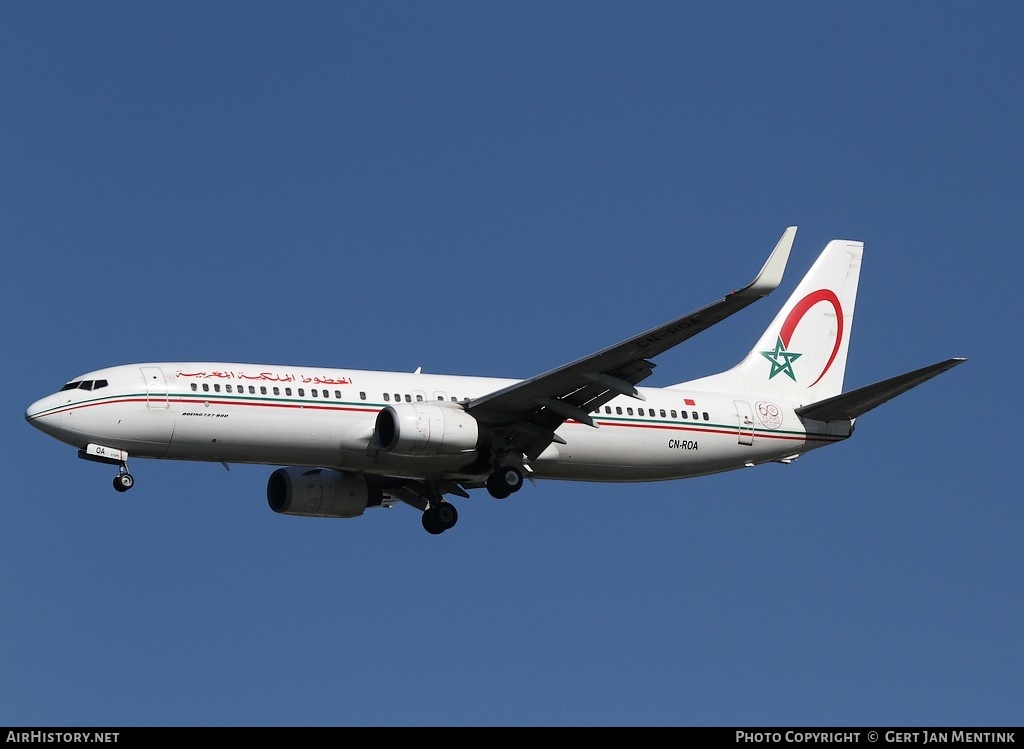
320	493
426	429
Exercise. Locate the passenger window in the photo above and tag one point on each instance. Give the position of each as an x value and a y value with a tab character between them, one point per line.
302	392
277	390
216	387
314	391
206	387
629	410
706	417
673	412
387	398
662	413
337	394
618	410
287	391
194	387
263	389
694	415
408	398
362	396
228	388
419	398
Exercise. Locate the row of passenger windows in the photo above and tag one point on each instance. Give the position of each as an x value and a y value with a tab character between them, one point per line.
388	397
409	398
661	412
301	392
263	390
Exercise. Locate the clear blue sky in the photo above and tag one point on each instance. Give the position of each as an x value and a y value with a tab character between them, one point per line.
497	188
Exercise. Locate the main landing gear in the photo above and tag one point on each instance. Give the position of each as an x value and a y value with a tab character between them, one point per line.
439	517
504	481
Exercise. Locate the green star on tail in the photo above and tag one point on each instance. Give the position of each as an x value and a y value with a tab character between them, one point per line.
782	360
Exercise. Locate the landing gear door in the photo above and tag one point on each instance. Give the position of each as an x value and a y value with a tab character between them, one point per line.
745	418
156	387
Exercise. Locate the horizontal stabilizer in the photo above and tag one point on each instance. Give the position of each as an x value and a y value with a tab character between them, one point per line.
856	402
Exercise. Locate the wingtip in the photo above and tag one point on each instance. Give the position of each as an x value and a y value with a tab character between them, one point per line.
771	273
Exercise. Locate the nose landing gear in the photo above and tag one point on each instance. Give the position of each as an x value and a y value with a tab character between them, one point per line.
123	481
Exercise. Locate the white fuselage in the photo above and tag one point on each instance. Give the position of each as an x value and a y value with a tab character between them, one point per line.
302	416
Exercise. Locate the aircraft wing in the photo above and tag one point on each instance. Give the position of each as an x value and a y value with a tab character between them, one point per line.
856	402
531	410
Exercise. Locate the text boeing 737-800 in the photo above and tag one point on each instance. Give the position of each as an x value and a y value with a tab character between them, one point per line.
352	439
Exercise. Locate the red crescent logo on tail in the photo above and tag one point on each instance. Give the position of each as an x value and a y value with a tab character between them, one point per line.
797	314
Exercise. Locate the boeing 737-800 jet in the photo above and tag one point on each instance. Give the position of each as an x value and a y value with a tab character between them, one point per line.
346	439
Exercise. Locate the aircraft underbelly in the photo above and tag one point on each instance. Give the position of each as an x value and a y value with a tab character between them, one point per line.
655	454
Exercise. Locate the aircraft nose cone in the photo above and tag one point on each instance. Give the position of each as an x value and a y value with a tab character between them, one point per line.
33	410
43	416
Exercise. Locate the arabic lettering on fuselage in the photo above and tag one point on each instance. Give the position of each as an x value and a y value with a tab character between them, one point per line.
268	377
327	380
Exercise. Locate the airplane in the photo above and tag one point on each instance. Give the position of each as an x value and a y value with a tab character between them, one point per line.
346	440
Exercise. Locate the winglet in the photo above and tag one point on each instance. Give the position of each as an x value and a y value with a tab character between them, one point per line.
771	273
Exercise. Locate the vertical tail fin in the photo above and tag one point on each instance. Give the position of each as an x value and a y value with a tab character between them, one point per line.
801	356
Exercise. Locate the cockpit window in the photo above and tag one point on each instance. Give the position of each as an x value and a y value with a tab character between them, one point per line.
84	385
